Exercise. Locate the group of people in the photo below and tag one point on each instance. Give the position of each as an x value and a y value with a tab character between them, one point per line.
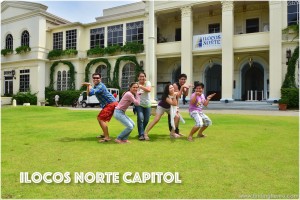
139	95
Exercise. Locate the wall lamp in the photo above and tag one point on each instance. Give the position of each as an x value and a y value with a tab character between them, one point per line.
142	64
13	73
250	61
288	55
210	63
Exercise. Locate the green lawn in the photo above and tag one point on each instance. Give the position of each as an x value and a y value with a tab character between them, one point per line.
242	155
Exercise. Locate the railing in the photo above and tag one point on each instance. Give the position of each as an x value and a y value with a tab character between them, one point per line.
256	95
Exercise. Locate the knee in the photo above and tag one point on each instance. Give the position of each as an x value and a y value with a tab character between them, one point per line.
131	127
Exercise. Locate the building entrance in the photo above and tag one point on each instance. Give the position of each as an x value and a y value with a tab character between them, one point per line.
8	86
213	77
253	82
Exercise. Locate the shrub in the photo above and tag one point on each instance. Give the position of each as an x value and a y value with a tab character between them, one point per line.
65	97
292	95
112	49
133	47
25	97
96	51
23	49
55	53
70	52
5	52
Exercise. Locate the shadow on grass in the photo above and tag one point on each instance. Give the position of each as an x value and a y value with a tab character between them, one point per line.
69	139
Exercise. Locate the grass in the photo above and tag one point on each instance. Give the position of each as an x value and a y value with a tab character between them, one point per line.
242	155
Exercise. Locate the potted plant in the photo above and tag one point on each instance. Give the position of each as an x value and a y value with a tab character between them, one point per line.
23	49
5	52
55	54
282	103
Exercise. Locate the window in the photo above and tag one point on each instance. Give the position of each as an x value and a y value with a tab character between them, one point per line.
178	34
102	69
9	42
97	38
252	25
135	32
59	80
25	38
63	80
24	80
128	75
58	41
214	28
115	35
71	37
293	12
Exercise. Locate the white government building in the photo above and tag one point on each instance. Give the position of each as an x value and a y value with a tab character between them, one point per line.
236	48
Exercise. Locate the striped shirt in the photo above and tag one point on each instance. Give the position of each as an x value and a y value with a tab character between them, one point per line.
102	94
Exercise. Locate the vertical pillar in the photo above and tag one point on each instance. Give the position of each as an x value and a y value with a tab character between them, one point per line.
40	83
151	60
186	43
227	51
275	53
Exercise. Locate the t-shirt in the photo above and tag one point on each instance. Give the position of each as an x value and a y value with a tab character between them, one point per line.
145	96
198	105
102	94
127	99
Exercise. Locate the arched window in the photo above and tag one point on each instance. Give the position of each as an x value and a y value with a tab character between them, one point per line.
9	42
128	75
64	80
25	38
59	80
102	69
68	80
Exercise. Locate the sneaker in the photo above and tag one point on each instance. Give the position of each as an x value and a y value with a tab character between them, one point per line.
118	141
142	137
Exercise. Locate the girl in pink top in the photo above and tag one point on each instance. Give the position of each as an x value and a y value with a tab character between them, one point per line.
129	97
197	102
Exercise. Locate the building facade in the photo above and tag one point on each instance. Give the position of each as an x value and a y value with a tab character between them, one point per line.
236	48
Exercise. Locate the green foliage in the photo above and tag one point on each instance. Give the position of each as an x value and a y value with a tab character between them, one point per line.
72	73
138	68
66	97
25	97
283	101
289	81
294	29
5	52
133	47
91	63
23	49
291	95
70	52
112	49
55	53
97	51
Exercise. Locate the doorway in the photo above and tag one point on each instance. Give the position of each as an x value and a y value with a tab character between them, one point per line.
213	77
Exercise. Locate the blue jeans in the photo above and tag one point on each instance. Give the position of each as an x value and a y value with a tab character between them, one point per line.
126	121
143	116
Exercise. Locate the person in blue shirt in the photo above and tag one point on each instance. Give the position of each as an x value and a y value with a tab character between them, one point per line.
107	102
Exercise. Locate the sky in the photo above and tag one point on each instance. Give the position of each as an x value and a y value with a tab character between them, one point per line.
81	11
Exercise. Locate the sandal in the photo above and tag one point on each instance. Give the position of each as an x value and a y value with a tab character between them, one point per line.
175	135
104	140
100	136
201	136
118	141
146	137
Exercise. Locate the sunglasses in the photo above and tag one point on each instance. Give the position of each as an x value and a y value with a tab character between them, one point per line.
96	78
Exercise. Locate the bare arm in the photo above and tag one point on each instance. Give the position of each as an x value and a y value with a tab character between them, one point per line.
208	99
146	89
172	100
88	87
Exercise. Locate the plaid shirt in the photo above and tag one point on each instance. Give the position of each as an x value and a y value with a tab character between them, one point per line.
102	94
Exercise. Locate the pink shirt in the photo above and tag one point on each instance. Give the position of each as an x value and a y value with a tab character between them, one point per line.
127	99
198	105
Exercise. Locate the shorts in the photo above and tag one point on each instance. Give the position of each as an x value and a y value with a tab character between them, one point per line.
107	112
200	119
160	110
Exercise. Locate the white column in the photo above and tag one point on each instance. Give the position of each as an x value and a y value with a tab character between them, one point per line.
151	57
186	43
40	82
275	53
227	50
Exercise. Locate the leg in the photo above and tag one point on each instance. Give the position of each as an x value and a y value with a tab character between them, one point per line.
207	122
198	123
104	128
126	121
194	130
151	125
140	120
169	122
173	133
147	114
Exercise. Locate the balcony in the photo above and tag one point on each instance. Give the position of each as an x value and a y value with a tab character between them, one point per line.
259	41
168	49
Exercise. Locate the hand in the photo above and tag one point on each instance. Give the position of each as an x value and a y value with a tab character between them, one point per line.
211	96
86	84
198	93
